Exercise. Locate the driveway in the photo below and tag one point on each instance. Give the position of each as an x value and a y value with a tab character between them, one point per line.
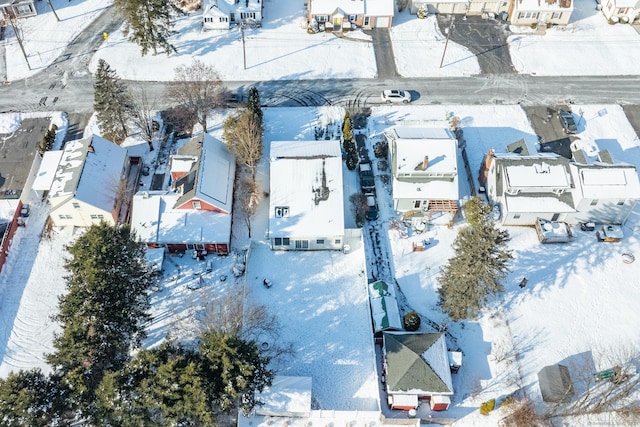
383	49
545	123
486	38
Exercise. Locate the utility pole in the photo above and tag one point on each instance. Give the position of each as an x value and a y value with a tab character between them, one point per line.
12	20
244	48
446	43
53	10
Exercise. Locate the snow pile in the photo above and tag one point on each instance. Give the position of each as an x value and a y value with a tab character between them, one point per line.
10	122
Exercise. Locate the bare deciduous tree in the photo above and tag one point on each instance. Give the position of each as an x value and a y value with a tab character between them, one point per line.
243	135
248	197
142	112
359	207
198	88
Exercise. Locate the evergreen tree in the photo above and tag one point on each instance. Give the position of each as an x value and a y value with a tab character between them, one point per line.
235	371
480	263
164	386
477	212
349	143
104	309
48	139
148	23
111	103
29	398
253	103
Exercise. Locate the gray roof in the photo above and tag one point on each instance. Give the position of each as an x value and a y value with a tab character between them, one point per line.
407	368
555	383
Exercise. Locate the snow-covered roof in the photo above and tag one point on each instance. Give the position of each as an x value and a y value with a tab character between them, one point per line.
227	6
415	147
287	396
612	182
47	170
328	7
210	173
154	220
91	170
306	179
536	204
543	5
537	175
101	174
379	7
384	307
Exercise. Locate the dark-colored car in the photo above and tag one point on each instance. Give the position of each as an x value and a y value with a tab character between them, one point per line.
25	211
367	181
567	122
372	208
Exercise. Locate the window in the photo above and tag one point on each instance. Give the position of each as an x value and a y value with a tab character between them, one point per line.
224	19
556	15
285	241
247	15
516	216
620	202
353	18
416	204
302	244
281	211
320	242
321	18
594	202
337	241
196	204
97	217
622	11
76	205
62	216
277	241
528	15
24	9
208	19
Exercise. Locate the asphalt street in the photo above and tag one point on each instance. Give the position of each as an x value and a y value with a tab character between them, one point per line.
67	85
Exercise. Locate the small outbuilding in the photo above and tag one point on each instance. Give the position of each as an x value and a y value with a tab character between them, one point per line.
555	384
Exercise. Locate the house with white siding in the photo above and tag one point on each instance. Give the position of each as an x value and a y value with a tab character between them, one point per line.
306	207
336	15
90	183
627	11
222	14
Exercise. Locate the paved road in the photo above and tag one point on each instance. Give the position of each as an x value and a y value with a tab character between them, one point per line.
67	85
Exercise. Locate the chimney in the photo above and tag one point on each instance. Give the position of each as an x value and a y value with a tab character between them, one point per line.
489	159
425	163
90	149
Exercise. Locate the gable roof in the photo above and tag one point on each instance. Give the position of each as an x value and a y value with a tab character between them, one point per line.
411	146
306	177
154	220
90	170
618	181
228	6
417	363
211	175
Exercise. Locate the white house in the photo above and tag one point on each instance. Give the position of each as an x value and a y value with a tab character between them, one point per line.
89	184
17	9
221	14
529	187
604	192
306	207
339	14
196	213
621	10
424	167
540	12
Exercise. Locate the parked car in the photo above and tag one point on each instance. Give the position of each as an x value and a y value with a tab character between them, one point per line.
24	211
395	95
567	122
372	208
365	172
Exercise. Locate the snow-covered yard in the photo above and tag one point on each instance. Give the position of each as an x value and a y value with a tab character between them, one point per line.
282	49
579	300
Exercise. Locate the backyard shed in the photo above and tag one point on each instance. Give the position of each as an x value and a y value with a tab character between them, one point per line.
555	384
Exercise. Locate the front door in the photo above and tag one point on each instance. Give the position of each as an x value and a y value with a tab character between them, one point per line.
337	23
366	22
